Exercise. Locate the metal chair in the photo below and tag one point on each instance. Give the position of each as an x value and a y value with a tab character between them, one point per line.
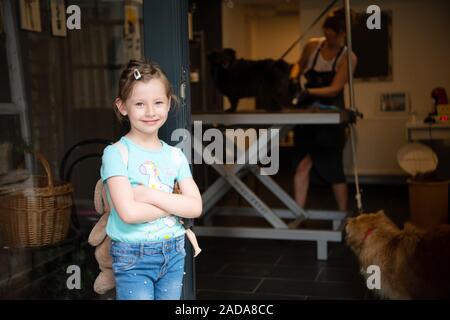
66	168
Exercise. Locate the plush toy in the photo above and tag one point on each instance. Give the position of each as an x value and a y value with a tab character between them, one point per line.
102	243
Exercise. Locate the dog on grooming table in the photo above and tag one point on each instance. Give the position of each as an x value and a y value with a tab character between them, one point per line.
267	80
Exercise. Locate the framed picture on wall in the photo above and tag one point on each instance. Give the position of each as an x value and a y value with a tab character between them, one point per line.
30	15
373	48
394	103
1	17
58	18
132	31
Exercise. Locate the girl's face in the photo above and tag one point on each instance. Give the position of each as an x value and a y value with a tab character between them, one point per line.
146	107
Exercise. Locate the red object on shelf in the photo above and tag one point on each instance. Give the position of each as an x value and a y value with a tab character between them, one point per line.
439	95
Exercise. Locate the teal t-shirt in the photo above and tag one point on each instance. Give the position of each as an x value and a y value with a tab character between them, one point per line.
153	168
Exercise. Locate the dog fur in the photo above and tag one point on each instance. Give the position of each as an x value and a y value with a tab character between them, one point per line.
267	80
414	263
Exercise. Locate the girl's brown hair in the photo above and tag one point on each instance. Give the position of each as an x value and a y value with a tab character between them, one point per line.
146	71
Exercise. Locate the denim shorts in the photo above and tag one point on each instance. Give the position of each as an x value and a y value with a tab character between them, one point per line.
149	270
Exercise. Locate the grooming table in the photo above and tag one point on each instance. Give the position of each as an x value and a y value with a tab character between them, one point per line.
231	174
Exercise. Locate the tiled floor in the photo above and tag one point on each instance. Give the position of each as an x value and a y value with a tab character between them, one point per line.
275	269
282	269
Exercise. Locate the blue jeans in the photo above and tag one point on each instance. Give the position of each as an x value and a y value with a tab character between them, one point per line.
149	270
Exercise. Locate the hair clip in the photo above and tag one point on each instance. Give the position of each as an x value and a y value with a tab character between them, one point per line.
137	74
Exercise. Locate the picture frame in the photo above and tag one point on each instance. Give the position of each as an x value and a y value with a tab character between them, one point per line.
2	29
394	103
58	10
30	15
132	34
373	48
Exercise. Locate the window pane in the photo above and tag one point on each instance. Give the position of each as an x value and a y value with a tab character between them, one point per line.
11	154
5	91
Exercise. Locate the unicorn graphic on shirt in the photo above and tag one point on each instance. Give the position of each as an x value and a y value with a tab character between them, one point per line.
149	168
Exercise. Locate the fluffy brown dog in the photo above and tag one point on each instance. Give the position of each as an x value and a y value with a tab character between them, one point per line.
414	264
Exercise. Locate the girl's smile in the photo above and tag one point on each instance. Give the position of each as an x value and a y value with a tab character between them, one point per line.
151	122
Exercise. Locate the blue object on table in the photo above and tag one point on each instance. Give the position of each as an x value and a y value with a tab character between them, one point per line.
325	106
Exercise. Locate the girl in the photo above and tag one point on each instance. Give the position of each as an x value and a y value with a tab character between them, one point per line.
147	238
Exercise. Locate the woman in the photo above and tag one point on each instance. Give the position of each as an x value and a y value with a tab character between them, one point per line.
324	64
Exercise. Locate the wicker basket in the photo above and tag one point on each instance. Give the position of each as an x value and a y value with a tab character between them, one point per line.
36	214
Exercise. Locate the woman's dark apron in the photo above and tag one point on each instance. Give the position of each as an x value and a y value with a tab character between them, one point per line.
324	143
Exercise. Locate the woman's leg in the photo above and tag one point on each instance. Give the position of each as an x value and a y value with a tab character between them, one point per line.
341	195
301	180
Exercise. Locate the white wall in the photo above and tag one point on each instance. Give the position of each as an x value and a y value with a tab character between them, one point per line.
235	30
271	36
421	47
236	34
258	32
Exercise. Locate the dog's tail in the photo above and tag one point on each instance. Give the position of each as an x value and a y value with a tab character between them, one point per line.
410	236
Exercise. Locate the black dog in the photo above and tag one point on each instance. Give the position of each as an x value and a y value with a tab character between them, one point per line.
266	80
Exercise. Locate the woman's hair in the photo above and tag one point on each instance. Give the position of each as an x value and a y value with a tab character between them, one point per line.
141	71
335	20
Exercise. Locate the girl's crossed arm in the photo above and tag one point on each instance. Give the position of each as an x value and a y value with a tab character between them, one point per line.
188	204
129	209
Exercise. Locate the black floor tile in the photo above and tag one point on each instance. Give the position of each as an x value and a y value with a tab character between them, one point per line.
219	244
268	257
307	249
263	245
294	260
208	266
250	270
295	273
222	295
342	263
348	275
311	288
227	283
340	251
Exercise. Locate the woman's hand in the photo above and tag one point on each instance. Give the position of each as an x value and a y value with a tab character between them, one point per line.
303	99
